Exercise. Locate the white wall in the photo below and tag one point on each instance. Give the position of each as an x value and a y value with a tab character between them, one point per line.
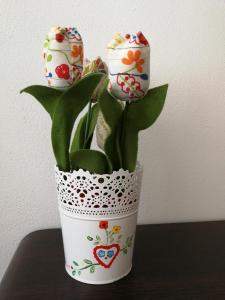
183	154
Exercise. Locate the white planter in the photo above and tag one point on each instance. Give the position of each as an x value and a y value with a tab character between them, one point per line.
98	217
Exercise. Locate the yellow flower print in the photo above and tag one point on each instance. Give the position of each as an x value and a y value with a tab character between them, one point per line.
116	229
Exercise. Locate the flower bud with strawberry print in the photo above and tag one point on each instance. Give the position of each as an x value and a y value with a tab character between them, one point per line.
129	66
63	57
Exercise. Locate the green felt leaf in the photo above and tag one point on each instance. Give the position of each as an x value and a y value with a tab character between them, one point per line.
92	160
46	96
137	116
75	263
79	136
112	113
88	261
70	104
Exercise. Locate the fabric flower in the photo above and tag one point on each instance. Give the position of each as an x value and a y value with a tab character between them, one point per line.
116	229
95	66
102	131
129	66
103	224
63	56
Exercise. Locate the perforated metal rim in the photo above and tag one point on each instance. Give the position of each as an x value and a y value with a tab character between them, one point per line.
82	194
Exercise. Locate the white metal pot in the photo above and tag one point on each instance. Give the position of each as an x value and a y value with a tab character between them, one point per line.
98	217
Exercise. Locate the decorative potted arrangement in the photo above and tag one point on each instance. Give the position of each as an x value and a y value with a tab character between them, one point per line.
98	190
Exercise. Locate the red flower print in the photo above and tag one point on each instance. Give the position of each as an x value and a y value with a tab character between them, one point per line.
129	85
76	74
63	71
59	37
142	38
103	224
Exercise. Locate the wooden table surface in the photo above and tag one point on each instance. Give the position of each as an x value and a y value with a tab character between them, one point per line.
171	261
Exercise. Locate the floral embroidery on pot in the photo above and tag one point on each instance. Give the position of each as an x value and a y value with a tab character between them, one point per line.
107	246
128	64
63	56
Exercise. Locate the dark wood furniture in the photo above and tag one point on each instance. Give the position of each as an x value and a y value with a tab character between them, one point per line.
171	261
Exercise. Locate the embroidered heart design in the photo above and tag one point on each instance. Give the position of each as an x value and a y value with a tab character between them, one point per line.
105	255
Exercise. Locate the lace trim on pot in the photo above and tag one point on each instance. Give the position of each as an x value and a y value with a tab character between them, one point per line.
81	193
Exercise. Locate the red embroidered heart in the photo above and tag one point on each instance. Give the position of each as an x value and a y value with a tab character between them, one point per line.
106	255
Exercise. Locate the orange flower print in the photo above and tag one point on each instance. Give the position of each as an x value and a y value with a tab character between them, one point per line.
134	57
77	51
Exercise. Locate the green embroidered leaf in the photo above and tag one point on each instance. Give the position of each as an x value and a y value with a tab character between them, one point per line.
139	115
92	160
46	44
96	243
89	238
49	57
112	113
125	250
92	269
79	272
46	96
74	272
75	263
98	237
79	136
70	104
88	261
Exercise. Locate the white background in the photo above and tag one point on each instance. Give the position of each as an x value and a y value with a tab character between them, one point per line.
183	153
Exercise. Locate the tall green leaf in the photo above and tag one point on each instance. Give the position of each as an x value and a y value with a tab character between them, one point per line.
112	113
70	104
79	141
137	116
92	160
46	96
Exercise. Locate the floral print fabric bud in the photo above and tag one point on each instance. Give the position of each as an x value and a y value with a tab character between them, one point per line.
63	57
129	66
95	66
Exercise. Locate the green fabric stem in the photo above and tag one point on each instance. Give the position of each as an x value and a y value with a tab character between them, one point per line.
139	115
79	140
112	113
